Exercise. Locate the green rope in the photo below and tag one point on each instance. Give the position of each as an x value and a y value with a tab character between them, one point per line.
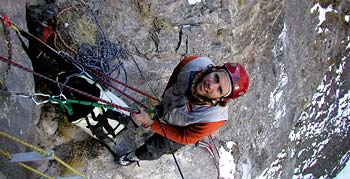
66	104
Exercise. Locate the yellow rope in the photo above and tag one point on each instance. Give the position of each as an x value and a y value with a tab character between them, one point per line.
39	150
69	167
35	171
8	156
5	154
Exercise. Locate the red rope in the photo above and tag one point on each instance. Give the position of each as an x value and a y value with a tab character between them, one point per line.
209	148
59	34
96	72
212	141
217	152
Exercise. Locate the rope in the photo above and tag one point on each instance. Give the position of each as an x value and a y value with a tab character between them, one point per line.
212	141
104	81
41	151
34	170
105	52
144	79
59	34
209	148
171	150
88	103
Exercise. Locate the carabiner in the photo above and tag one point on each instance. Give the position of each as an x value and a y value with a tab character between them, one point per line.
38	94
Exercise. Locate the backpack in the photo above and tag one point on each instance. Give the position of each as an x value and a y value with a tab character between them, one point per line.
176	71
101	123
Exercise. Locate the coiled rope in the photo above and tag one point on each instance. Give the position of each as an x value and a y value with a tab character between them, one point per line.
96	59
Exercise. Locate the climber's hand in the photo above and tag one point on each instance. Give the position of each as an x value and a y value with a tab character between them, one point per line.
142	117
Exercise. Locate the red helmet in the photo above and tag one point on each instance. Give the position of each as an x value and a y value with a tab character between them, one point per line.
239	80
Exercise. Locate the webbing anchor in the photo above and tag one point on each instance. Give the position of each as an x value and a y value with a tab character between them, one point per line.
31	156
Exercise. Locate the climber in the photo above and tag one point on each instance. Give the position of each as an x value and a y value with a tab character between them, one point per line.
194	106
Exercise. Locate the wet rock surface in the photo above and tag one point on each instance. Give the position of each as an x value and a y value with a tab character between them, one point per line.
299	85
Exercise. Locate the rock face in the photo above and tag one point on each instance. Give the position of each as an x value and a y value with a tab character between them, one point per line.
293	120
16	113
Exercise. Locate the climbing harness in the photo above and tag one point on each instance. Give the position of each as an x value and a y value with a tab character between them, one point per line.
171	150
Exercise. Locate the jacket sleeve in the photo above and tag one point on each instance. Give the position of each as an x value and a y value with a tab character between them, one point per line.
186	134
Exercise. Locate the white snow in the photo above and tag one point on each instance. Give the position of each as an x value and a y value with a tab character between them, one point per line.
193	1
325	118
347	17
321	16
321	12
345	173
336	115
276	104
227	165
277	107
246	167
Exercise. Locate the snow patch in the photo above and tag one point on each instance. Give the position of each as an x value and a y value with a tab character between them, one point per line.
346	18
276	105
246	167
275	169
345	172
191	2
321	12
227	165
321	16
319	118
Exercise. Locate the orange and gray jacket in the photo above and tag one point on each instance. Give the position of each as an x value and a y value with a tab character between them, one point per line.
185	122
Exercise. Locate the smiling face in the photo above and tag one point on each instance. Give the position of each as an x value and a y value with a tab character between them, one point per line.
214	85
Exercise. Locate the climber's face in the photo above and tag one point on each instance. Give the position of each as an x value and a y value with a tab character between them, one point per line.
214	85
